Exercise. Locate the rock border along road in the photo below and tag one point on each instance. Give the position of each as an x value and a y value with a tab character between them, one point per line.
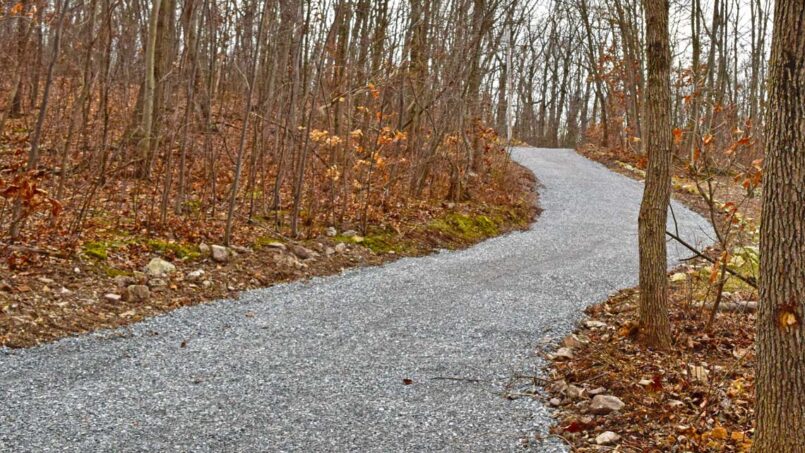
320	365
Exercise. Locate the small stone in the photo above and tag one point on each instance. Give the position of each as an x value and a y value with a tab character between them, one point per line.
555	402
303	252
158	267
64	291
574	392
122	281
604	404
157	283
138	293
195	276
275	245
330	232
593	324
607	438
329	251
112	297
45	280
596	391
220	254
204	249
563	354
340	247
349	233
206	283
645	382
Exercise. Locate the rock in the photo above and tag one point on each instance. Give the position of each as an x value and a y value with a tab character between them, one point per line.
204	249
158	267
574	392
593	324
195	276
562	354
349	233
340	247
645	382
555	402
559	386
289	261
303	252
45	280
138	293
206	284
111	297
157	283
604	404
220	254
329	251
607	438
122	281
241	249
331	232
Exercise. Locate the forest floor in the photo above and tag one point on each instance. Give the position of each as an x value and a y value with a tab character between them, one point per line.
47	293
699	396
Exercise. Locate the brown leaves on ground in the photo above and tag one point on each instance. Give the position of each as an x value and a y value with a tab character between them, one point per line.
699	396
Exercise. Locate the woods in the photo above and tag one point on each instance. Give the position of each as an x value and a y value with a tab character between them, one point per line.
246	143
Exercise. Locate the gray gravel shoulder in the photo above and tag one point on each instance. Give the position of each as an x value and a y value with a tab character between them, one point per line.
320	365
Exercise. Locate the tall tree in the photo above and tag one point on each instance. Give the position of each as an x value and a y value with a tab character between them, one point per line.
781	314
655	329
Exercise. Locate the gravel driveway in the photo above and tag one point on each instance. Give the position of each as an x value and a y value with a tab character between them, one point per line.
325	365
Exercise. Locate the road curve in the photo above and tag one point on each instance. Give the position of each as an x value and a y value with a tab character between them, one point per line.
320	365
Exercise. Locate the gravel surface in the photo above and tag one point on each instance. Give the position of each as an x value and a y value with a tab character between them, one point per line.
324	365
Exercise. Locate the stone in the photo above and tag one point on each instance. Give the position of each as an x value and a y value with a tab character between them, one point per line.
157	283
303	252
220	254
64	291
45	280
111	297
204	249
330	232
349	233
597	391
329	251
241	249
138	293
562	354
195	276
604	404
574	392
340	247
123	281
607	438
593	324
158	267
206	284
555	402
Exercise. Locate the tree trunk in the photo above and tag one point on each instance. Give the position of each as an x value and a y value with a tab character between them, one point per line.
780	407
655	330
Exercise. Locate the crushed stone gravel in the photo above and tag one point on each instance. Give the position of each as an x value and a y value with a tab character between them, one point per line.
415	355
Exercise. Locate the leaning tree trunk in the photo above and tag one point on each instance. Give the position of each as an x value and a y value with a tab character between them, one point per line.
780	406
655	329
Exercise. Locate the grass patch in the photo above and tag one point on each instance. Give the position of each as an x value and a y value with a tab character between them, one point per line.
465	228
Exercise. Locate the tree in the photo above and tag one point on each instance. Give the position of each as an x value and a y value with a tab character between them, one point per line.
655	329
780	368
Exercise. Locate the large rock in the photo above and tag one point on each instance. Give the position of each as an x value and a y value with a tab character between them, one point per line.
158	267
138	293
220	254
604	404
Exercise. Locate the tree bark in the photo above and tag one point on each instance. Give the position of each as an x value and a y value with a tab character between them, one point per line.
780	368
655	330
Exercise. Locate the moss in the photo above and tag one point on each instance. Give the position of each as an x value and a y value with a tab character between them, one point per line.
466	228
96	249
266	240
114	272
182	251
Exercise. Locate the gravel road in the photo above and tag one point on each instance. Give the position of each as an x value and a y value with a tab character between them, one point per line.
320	365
